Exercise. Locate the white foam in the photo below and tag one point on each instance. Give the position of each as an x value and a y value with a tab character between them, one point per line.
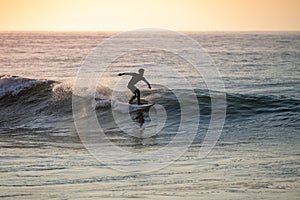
104	103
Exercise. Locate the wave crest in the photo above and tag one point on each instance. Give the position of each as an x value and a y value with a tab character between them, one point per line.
13	85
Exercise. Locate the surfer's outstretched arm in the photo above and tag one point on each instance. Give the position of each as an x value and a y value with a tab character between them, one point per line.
149	86
121	74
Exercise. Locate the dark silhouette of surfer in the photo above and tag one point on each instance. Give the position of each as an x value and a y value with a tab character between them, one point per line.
136	77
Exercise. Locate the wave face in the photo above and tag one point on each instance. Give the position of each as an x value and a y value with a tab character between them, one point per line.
43	104
24	101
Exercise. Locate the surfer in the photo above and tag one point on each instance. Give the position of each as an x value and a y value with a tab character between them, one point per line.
136	77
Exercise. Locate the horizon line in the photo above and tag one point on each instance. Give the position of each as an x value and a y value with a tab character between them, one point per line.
123	30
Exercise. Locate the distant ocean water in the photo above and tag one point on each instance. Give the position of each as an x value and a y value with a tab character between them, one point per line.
257	155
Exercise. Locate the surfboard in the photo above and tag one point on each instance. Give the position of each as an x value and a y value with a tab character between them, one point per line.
141	107
125	107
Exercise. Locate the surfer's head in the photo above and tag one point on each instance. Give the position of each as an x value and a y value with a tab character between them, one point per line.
141	71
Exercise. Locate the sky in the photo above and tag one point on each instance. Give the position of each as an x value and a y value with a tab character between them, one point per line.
189	15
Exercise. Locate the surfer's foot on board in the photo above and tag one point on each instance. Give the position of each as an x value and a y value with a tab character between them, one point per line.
131	102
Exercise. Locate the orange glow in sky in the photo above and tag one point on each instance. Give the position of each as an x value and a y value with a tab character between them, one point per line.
84	15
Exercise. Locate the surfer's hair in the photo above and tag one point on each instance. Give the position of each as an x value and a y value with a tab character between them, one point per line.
141	70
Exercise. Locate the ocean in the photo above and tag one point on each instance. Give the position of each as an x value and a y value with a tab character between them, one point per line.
226	129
